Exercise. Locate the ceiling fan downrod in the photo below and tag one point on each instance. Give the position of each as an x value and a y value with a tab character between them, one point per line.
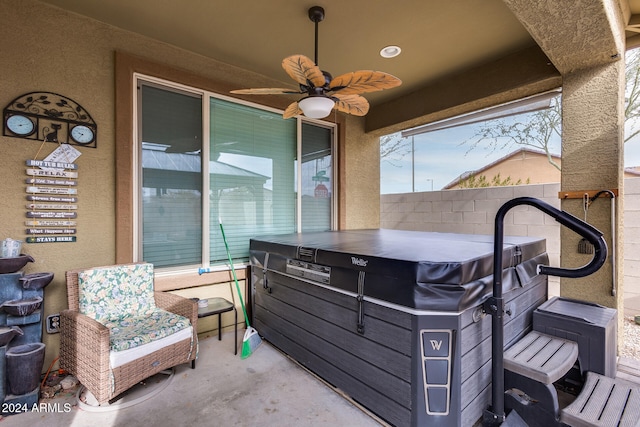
316	14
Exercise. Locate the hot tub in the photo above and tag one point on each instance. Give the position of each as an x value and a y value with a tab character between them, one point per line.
393	318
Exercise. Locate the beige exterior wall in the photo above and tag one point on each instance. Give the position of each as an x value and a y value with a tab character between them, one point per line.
48	49
527	166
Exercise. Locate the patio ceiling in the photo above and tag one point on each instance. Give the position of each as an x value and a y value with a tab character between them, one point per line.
438	37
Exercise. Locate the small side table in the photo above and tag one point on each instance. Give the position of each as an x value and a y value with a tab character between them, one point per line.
218	306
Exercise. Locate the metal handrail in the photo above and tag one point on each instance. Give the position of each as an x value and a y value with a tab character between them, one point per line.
495	305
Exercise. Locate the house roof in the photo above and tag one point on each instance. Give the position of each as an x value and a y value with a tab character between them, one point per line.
186	162
634	170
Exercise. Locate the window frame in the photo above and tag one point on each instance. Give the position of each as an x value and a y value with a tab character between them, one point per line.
205	95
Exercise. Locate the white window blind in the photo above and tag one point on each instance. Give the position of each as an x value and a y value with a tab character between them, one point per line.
252	179
317	178
171	177
251	176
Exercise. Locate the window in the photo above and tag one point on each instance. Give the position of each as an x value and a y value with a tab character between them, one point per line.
171	211
249	180
316	179
512	144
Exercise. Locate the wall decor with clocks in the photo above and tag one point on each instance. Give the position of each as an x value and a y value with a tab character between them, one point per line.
47	116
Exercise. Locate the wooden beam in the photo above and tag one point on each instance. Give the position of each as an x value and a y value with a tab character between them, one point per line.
590	193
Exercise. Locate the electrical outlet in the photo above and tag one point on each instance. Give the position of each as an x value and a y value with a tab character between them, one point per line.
53	323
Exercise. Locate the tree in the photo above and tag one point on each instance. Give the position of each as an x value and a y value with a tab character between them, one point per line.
480	181
534	130
537	129
393	148
632	95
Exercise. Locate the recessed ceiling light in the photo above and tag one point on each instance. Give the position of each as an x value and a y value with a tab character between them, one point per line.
390	51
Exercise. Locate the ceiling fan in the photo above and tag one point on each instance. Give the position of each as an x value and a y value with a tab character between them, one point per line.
324	92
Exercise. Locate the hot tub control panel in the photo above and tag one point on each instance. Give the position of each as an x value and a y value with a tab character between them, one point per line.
436	369
309	271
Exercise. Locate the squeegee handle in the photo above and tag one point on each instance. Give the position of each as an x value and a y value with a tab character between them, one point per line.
235	279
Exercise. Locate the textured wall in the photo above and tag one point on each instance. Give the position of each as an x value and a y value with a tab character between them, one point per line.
592	160
47	49
359	177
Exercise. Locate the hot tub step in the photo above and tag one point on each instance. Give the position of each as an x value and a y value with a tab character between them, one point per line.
604	401
541	357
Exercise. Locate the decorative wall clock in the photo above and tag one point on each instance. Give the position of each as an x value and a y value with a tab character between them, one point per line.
47	116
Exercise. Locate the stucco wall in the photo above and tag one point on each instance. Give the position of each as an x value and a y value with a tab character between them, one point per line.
473	211
48	49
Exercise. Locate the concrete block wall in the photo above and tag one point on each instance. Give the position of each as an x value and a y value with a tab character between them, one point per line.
472	211
632	246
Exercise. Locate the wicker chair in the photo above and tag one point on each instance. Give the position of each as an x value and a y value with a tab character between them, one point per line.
85	347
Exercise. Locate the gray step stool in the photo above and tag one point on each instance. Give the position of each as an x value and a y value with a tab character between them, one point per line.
537	360
603	402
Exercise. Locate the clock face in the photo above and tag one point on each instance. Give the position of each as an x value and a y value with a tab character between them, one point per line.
82	134
20	125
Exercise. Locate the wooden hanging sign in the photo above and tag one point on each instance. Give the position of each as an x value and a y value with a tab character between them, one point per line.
47	181
59	173
54	199
50	223
52	165
51	206
51	231
35	214
51	190
50	239
52	196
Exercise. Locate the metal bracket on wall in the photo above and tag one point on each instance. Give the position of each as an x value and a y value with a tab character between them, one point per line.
580	194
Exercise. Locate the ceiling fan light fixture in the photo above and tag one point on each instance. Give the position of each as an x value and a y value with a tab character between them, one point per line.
316	107
390	51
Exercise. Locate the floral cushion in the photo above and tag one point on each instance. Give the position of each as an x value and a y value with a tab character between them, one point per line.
133	331
108	294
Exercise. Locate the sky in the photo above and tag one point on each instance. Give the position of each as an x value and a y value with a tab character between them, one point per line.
442	156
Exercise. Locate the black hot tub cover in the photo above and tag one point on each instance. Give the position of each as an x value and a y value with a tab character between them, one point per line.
420	270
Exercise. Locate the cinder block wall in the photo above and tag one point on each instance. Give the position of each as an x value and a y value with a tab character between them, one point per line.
473	211
632	246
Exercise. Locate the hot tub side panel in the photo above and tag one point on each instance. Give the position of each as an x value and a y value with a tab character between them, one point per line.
389	368
409	366
317	327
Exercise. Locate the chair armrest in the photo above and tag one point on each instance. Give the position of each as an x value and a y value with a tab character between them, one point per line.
84	349
178	305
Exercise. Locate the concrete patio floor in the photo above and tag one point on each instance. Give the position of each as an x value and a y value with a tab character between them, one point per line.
266	389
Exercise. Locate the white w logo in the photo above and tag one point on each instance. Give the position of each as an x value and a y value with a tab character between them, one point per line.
436	344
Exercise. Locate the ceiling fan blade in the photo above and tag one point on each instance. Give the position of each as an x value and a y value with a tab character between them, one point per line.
303	70
292	110
266	91
351	104
363	81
